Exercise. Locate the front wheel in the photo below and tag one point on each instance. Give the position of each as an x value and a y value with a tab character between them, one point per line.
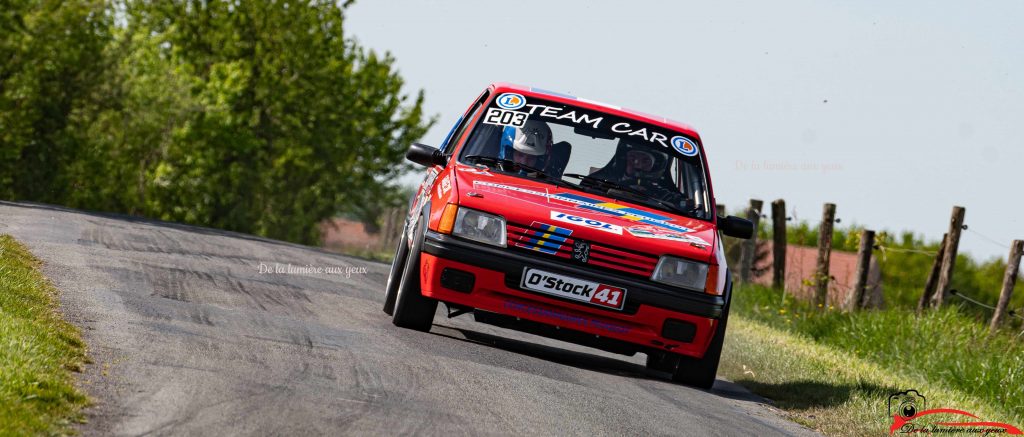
395	276
412	309
701	372
662	361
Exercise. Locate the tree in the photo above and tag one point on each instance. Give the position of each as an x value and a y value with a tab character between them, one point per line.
50	61
291	121
253	116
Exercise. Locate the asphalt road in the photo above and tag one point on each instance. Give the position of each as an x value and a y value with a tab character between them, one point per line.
190	338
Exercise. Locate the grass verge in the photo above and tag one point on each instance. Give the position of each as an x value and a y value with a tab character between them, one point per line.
834	372
367	254
38	350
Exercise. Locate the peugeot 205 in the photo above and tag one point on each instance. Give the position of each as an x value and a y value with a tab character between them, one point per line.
572	219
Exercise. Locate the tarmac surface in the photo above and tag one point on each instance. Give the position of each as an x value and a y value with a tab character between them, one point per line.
189	336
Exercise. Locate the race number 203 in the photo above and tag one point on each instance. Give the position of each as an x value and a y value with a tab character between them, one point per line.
505	118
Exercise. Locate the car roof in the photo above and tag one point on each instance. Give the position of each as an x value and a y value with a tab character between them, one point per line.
604	107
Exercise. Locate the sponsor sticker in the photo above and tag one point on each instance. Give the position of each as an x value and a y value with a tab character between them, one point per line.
594	293
684	145
482	171
630	131
592	119
505	118
583	202
445	186
557	113
661	234
586	222
511	101
548	240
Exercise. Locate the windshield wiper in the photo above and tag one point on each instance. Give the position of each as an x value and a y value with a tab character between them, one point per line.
610	185
501	163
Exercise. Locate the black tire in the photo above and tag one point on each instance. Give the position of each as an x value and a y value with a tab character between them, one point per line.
662	361
412	309
701	372
395	276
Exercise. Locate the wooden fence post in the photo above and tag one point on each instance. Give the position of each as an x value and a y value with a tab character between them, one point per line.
750	246
956	223
933	277
821	276
779	243
867	242
1009	280
392	227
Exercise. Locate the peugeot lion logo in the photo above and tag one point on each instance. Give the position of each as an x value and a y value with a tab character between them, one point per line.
580	251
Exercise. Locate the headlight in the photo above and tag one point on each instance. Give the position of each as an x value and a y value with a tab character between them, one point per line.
480	226
681	273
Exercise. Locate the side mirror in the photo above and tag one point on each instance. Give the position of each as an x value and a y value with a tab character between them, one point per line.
736	227
425	155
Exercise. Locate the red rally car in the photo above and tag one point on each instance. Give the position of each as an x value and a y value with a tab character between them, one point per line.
572	219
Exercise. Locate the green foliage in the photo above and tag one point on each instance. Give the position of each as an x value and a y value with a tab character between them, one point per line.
907	262
258	117
836	391
37	350
844	239
50	62
376	203
947	346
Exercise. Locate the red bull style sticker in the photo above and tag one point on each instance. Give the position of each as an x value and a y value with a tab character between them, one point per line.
511	101
684	145
610	208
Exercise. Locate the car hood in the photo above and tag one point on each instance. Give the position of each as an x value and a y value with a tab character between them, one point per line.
588	216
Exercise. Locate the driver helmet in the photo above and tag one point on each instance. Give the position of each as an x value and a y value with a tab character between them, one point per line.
645	164
533	138
531	143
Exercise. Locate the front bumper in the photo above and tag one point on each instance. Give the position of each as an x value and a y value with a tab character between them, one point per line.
495	288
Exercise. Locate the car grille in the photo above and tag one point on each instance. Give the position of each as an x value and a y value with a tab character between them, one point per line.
553	241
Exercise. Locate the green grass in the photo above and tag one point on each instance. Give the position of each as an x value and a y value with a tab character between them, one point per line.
834	371
38	350
384	256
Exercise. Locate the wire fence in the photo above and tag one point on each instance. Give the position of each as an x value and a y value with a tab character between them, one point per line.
986	238
964	297
885	249
1011	313
914	247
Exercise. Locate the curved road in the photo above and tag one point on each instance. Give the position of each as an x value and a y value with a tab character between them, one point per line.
190	338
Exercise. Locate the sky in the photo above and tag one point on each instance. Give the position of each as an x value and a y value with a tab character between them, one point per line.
894	111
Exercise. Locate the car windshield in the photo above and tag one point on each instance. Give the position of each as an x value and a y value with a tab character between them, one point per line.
591	151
